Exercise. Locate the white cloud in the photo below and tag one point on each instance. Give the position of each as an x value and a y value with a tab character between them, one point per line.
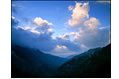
66	36
62	51
43	26
32	38
13	17
72	33
88	35
70	8
93	38
92	23
61	47
24	28
76	35
15	22
51	30
30	29
40	22
80	12
34	31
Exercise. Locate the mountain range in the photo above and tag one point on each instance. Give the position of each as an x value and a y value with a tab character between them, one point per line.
95	63
32	63
29	62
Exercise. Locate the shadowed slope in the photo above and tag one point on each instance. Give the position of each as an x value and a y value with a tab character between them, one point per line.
95	63
27	62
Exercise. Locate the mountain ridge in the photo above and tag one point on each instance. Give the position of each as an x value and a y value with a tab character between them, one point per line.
27	62
95	63
32	63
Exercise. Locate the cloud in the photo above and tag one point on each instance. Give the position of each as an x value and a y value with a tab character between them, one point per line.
43	25
30	37
88	35
38	35
70	8
28	28
79	13
62	51
42	40
65	54
35	31
77	34
15	22
92	23
50	31
94	38
66	36
24	28
40	22
13	17
68	43
61	47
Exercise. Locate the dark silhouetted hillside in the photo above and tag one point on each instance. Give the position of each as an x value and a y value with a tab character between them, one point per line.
95	63
27	62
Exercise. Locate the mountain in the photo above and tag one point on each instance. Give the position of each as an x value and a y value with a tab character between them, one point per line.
71	56
29	63
95	63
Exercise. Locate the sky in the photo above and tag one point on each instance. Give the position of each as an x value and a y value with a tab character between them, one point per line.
61	28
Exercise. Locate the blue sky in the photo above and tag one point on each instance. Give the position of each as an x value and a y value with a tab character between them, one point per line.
66	29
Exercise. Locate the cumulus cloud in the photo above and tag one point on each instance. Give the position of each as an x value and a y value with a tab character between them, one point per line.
42	25
68	43
77	34
88	35
30	37
28	28
66	36
92	23
62	51
79	13
92	36
40	22
39	36
95	38
42	41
